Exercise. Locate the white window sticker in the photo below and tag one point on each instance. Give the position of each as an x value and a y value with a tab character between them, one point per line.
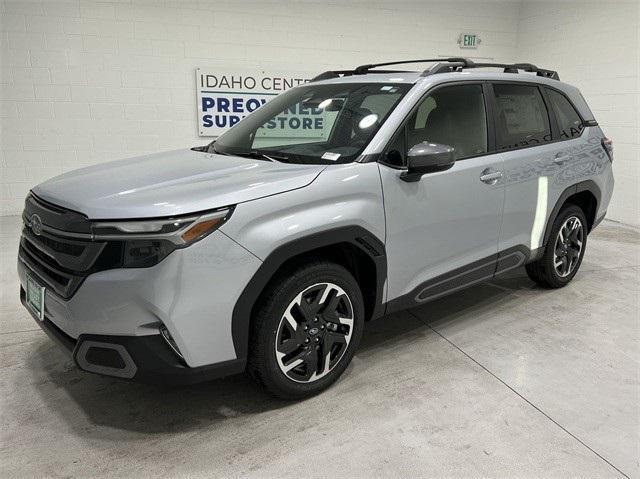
330	156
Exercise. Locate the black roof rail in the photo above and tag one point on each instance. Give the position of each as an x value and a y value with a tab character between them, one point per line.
443	65
331	74
449	66
364	69
527	67
345	73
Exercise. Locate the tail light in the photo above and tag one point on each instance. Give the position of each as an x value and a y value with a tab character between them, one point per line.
607	144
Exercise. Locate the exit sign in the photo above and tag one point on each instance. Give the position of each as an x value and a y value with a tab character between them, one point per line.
468	40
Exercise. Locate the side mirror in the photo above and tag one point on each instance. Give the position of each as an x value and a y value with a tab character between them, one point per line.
425	158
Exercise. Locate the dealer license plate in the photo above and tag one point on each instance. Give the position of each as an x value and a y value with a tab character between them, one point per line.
35	297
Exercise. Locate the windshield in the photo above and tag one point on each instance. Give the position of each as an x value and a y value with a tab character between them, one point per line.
314	123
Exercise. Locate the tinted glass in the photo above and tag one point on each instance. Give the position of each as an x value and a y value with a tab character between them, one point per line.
567	117
521	116
453	116
329	123
396	150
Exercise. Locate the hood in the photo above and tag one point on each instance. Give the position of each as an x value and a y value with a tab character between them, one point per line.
171	183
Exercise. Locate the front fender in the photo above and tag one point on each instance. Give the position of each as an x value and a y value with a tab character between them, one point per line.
344	204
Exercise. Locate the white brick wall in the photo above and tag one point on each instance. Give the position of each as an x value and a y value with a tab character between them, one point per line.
89	81
594	46
86	81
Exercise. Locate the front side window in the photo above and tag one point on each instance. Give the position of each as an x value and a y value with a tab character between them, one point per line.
521	116
569	121
314	123
453	116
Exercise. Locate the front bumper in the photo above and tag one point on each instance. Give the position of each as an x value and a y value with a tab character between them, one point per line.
191	293
146	359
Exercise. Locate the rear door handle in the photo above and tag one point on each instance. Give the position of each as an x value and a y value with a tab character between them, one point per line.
490	176
560	160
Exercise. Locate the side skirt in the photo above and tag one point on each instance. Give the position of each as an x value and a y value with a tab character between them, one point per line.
460	278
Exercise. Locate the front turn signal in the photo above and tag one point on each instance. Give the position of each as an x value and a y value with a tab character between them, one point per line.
200	230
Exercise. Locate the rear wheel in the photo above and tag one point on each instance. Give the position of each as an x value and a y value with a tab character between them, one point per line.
564	251
306	330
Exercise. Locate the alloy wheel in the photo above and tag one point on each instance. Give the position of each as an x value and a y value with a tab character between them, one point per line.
568	246
314	332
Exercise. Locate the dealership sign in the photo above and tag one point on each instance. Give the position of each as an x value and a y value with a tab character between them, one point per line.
226	97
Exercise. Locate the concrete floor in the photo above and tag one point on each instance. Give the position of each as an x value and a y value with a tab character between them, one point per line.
504	379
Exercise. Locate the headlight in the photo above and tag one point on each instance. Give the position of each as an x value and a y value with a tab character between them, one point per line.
147	242
179	230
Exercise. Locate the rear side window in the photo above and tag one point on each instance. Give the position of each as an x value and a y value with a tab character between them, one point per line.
569	121
521	116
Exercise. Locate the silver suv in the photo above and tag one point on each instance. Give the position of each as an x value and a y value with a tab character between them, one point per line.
344	199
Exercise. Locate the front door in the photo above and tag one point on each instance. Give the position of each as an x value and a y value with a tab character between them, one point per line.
442	231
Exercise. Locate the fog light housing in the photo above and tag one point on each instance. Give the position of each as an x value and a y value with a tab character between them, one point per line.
166	335
145	253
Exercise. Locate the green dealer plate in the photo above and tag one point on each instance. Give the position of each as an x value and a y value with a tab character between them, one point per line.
35	297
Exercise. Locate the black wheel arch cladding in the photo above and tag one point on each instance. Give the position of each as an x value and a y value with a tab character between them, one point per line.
585	186
356	236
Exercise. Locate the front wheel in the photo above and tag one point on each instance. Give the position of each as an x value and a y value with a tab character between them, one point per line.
564	251
306	330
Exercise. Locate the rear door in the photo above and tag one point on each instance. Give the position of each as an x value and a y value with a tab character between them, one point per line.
442	231
527	134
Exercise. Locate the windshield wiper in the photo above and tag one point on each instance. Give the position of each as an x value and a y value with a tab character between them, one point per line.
273	157
251	154
258	155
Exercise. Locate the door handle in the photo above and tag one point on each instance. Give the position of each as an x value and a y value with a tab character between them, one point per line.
490	176
560	160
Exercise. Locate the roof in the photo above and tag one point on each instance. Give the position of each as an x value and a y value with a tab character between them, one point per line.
415	77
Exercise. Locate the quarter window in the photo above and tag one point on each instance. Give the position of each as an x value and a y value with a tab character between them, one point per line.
569	121
521	116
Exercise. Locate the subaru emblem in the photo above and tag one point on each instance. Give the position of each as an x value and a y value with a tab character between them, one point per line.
36	225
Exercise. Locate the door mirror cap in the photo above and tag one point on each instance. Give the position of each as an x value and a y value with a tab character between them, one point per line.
427	157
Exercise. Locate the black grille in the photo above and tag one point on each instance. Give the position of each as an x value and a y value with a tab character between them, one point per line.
61	261
68	249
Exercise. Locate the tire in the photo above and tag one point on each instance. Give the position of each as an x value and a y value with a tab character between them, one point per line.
298	346
551	270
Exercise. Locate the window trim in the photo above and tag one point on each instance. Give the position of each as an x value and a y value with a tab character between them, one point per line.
488	113
553	120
